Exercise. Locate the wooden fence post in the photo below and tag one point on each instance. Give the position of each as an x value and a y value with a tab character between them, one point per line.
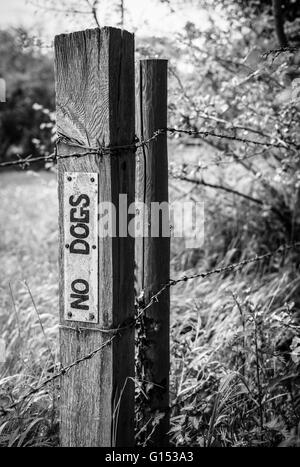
95	106
153	253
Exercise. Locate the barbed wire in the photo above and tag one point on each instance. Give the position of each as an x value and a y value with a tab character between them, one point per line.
141	311
232	267
101	150
89	150
62	372
206	134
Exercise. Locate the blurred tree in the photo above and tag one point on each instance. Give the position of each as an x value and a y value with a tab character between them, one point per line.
93	10
219	82
280	11
29	80
279	19
222	82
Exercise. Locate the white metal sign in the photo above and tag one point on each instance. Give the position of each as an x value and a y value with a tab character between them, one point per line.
81	247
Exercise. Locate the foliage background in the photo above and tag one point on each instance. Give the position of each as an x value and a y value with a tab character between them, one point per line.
235	339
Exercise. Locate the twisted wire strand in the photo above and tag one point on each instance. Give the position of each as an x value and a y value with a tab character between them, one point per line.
100	150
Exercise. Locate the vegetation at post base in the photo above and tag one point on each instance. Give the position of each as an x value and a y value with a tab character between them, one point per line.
235	341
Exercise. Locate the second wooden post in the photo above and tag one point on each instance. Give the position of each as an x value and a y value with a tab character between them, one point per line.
153	247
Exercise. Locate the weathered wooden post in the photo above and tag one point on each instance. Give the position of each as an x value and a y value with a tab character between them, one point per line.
152	252
95	107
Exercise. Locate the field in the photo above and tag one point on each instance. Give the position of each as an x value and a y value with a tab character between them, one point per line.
28	284
230	385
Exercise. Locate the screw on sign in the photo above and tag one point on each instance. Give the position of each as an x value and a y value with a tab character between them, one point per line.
81	232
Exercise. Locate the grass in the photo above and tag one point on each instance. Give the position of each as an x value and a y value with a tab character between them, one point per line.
235	353
28	304
232	386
